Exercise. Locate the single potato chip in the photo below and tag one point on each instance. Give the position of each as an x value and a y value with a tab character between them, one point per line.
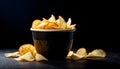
72	26
81	52
26	57
69	21
36	23
40	57
12	55
97	53
76	57
63	24
25	48
52	18
51	25
70	53
42	25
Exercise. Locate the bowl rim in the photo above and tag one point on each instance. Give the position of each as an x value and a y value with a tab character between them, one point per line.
53	30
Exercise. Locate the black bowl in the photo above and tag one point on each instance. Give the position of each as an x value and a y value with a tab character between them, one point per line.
53	44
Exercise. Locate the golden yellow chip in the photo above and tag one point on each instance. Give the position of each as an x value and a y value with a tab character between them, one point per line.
69	23
81	52
63	24
76	57
52	18
26	57
12	55
70	53
36	23
23	49
51	25
97	53
42	25
40	57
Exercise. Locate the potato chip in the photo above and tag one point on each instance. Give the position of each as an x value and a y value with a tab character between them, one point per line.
69	23
72	26
76	56
69	54
63	24
36	23
97	53
52	18
81	52
26	57
12	55
42	25
52	23
40	57
25	48
58	23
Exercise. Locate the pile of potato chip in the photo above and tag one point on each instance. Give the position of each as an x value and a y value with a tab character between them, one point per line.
52	23
27	52
81	53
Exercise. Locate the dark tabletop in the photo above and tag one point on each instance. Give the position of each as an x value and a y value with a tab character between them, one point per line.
111	61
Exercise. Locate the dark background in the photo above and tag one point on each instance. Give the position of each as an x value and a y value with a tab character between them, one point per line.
92	19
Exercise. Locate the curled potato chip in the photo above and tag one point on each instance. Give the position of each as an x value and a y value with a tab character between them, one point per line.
25	48
62	24
97	53
42	25
40	57
76	56
72	26
69	21
36	23
12	55
81	52
52	18
26	57
51	25
69	54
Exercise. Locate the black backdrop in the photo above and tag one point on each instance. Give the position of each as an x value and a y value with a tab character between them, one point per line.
16	17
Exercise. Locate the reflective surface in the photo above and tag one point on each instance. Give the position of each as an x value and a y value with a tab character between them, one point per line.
112	61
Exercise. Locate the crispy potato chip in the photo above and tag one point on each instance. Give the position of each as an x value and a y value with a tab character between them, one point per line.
26	57
12	55
69	54
97	53
81	52
51	25
52	18
36	23
25	48
72	26
42	25
63	24
58	23
40	57
69	23
76	57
